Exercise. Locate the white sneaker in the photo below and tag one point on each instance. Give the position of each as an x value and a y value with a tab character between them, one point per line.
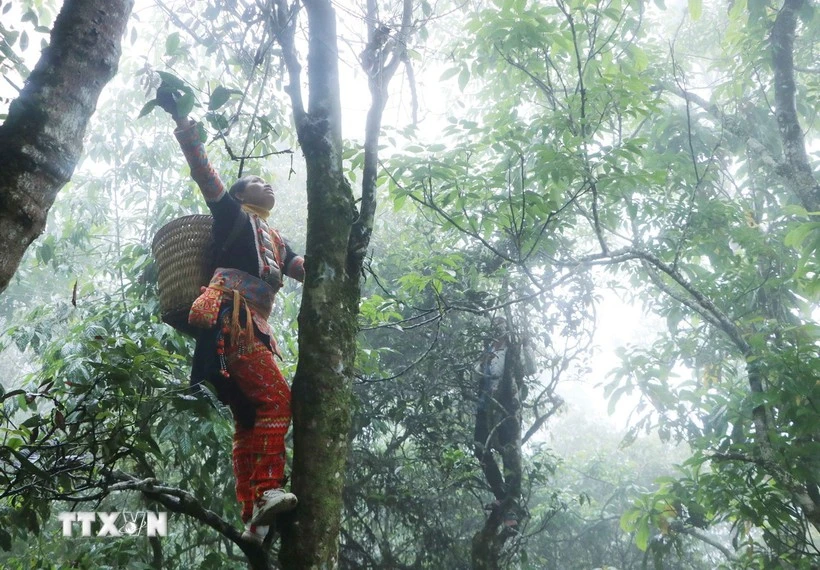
255	533
270	504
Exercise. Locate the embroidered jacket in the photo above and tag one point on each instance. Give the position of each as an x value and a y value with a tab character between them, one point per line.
258	251
258	248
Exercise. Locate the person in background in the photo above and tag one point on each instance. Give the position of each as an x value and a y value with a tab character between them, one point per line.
235	349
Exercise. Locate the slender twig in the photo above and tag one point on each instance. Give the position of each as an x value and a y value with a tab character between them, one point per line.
415	363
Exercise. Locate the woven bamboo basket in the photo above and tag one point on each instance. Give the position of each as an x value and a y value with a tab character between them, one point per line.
181	250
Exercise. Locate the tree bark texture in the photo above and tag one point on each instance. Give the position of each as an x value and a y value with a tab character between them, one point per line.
338	236
42	139
327	317
498	428
807	189
785	90
796	171
380	60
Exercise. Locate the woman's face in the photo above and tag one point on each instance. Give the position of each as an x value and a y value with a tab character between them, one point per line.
257	192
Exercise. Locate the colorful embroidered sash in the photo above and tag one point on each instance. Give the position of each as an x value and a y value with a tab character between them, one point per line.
269	251
247	291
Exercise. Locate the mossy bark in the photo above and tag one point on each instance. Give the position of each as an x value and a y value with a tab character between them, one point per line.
42	138
800	173
498	428
337	238
327	318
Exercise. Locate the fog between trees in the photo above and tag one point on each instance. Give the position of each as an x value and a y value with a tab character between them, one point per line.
534	162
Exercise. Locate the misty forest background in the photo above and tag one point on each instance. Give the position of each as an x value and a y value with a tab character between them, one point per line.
632	185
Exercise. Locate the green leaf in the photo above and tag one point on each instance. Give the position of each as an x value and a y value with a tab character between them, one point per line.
172	81
147	108
33	421
217	121
398	202
14	443
640	58
642	536
629	520
11	37
796	236
212	561
449	73
30	16
185	104
795	210
203	134
463	78
172	44
616	395
46	252
219	97
695	9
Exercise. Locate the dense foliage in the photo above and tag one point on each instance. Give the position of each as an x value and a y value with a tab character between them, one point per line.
586	150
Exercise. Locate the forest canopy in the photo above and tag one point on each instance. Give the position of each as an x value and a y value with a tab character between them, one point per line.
562	280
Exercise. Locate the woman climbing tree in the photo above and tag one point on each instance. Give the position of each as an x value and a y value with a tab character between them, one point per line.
234	348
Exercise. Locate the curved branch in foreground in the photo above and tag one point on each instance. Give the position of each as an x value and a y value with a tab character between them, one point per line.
180	501
798	489
703	537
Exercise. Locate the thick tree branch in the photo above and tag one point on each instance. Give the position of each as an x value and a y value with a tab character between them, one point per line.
785	88
42	139
180	501
703	537
380	59
541	419
284	28
799	491
321	388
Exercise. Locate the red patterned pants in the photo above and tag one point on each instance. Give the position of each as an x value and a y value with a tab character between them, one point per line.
259	451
